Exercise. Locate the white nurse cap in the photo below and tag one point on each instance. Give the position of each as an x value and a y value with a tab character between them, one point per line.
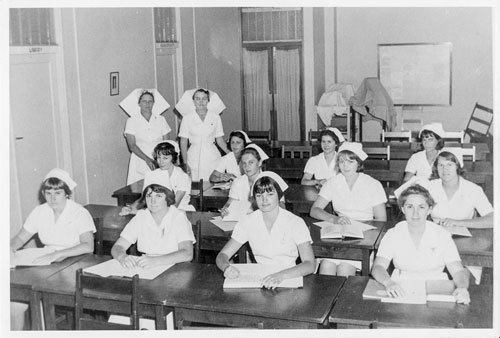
173	143
262	154
185	106
457	152
247	139
63	176
131	103
355	147
282	184
160	177
337	133
413	181
435	127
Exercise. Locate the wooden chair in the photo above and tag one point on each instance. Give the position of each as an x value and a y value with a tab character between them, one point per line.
313	136
101	293
457	136
382	152
198	200
479	125
197	245
260	136
404	135
303	151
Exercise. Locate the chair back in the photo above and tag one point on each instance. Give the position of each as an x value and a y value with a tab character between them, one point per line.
106	294
479	125
313	136
404	135
198	200
454	136
260	136
197	246
296	151
382	152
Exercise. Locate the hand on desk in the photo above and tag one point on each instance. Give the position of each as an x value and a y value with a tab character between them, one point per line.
227	177
272	281
231	272
148	261
127	261
393	289
343	220
462	295
448	222
127	210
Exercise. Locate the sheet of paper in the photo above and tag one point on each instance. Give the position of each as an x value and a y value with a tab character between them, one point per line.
459	231
364	227
440	292
251	276
222	185
237	209
26	257
114	268
333	230
223	224
414	293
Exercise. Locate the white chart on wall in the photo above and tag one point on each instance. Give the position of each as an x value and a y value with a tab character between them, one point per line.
416	74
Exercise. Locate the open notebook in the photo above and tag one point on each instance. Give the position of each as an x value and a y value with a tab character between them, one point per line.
417	292
251	276
114	268
26	257
353	230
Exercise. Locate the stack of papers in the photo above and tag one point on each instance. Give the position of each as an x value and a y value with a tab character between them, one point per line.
459	231
114	268
26	257
223	224
353	230
416	292
251	276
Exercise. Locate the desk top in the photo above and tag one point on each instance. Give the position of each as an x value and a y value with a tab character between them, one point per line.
351	308
135	189
481	242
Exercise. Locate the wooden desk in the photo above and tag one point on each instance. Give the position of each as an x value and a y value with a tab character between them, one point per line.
23	281
204	300
214	199
478	249
351	311
352	249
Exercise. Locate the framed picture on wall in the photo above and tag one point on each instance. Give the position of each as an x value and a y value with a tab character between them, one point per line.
114	83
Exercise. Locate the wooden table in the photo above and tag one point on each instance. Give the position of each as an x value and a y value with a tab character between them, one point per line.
23	280
352	249
478	249
204	300
351	311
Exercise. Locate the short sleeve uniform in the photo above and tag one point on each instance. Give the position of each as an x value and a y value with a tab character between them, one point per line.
278	246
428	260
147	135
228	164
357	203
180	181
153	239
240	188
202	155
65	233
467	198
418	165
319	168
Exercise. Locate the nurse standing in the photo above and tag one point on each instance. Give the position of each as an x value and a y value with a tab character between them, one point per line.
202	126
143	130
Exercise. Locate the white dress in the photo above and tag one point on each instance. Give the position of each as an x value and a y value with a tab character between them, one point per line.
418	165
278	246
467	198
357	203
318	167
228	164
65	233
202	154
153	239
147	135
179	181
428	260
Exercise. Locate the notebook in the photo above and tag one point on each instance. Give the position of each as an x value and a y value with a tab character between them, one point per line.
26	257
251	276
353	230
114	268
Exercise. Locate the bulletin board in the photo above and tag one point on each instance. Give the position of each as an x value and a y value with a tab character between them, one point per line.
416	74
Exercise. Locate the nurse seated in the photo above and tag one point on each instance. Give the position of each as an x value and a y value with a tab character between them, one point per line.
166	154
162	232
275	235
321	167
61	223
251	164
228	167
457	199
419	249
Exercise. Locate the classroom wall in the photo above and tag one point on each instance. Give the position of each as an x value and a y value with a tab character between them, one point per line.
359	30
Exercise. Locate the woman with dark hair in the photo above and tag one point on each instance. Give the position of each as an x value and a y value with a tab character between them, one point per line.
201	127
354	195
420	163
276	236
143	130
321	167
166	154
61	224
419	249
162	232
457	199
228	168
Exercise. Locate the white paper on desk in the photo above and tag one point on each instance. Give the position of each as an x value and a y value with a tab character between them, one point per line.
223	224
237	209
114	268
414	292
459	231
26	257
251	276
222	185
335	230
